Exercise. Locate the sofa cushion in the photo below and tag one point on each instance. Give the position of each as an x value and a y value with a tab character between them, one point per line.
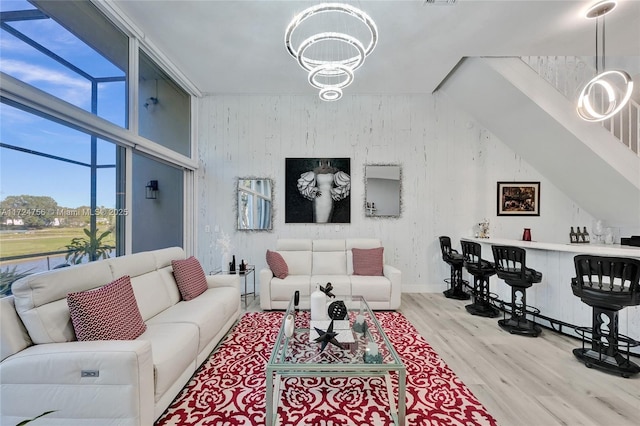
368	261
41	299
284	289
373	289
106	313
209	312
174	348
277	264
361	243
329	263
14	336
189	277
298	262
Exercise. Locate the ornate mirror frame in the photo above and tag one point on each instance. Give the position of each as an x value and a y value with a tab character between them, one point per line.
254	204
383	190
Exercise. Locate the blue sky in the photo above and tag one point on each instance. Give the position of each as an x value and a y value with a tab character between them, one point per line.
22	173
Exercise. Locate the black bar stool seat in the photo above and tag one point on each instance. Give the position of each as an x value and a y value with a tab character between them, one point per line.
456	262
607	284
481	270
511	266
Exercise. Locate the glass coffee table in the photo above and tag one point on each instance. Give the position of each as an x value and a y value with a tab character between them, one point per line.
300	356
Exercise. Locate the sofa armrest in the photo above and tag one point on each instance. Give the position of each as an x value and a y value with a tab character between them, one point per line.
224	280
266	275
395	276
83	382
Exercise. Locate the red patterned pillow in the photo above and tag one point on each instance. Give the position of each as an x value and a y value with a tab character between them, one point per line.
106	313
277	264
367	261
190	277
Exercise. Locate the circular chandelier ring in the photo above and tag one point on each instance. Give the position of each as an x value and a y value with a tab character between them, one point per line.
331	7
309	64
586	110
335	70
330	93
610	94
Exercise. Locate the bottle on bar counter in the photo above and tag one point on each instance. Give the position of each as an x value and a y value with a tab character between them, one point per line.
585	235
578	235
572	236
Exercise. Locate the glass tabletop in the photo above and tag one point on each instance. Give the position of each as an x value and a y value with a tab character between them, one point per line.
361	341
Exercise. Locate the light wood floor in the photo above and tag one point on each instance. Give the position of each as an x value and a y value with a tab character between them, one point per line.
520	380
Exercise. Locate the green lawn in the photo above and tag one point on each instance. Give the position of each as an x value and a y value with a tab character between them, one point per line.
41	241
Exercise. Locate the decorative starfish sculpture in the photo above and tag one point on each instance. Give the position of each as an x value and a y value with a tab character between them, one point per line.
327	290
326	337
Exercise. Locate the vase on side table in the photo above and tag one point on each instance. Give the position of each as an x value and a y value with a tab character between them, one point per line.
224	264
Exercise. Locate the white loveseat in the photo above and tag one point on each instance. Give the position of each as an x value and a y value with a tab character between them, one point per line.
312	262
110	382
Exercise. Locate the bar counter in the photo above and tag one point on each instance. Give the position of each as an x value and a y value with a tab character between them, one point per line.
596	249
553	296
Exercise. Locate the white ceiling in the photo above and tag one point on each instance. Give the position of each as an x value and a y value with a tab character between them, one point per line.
237	46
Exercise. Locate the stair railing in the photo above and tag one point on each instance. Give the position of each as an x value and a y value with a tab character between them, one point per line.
569	74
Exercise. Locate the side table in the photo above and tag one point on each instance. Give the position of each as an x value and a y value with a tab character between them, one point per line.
250	271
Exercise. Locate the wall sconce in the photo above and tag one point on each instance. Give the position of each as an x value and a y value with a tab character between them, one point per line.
151	103
151	190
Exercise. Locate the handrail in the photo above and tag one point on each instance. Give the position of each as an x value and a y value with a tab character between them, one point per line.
568	74
32	255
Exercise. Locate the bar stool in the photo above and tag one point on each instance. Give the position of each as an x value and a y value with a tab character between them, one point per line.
607	284
455	261
511	266
481	270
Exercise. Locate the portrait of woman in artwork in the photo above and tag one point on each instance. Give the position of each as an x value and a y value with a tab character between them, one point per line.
317	190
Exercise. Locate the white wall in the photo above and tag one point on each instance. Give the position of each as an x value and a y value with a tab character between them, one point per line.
450	167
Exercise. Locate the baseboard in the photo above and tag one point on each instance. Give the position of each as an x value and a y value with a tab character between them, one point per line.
422	288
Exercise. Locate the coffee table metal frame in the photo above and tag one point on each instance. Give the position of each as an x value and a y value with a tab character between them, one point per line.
278	366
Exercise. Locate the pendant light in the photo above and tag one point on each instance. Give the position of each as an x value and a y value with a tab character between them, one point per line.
609	91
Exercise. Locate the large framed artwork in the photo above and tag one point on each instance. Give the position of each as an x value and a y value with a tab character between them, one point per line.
518	198
317	190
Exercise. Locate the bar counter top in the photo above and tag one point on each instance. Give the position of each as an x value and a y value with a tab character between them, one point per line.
596	249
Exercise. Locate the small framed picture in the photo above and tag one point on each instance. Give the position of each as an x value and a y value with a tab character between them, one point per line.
518	198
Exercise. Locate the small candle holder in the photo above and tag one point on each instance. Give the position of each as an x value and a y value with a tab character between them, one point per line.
359	325
371	354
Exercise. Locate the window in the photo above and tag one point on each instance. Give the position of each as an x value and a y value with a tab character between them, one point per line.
165	108
56	182
65	56
63	171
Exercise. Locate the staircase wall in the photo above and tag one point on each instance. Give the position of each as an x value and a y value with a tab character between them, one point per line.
582	159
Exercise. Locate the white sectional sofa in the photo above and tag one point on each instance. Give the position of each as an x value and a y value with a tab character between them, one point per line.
312	262
108	382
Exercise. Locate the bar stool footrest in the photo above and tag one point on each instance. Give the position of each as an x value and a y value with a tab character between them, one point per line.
482	309
616	363
456	291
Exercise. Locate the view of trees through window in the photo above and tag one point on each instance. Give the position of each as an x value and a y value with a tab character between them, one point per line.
58	199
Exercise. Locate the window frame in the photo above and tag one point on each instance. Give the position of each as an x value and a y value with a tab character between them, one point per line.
24	96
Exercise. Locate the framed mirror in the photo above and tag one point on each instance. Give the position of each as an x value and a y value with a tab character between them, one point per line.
255	211
382	190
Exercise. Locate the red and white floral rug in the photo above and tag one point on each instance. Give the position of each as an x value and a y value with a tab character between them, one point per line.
229	388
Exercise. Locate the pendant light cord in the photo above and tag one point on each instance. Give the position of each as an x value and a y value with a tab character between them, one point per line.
603	56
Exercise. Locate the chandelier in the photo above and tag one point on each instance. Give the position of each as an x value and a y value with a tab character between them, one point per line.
330	41
599	98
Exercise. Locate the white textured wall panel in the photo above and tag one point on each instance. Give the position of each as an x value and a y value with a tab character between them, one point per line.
450	167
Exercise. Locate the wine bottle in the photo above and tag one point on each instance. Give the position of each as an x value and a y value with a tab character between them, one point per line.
578	235
585	235
573	237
